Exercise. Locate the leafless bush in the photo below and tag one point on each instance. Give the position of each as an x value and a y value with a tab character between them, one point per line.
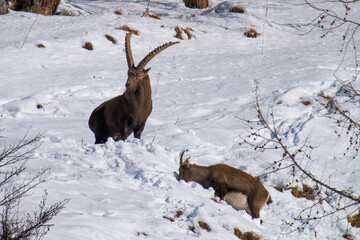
330	18
266	134
15	185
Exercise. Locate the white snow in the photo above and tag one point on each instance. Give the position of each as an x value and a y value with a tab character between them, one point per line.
120	190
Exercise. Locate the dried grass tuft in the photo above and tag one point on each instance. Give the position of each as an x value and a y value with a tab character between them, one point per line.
111	38
188	31
237	9
355	220
126	28
40	45
196	3
88	46
204	226
251	33
306	192
118	12
45	7
246	235
39	106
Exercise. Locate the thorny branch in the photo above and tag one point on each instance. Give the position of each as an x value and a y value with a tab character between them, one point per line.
329	20
264	134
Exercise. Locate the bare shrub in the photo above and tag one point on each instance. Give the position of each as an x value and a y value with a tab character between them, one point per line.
45	7
196	3
337	15
266	134
15	185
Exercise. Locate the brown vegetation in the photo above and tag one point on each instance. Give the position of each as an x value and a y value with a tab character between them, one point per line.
39	106
118	12
354	220
246	235
188	31
237	9
45	7
196	3
40	45
204	226
111	38
306	192
126	28
88	46
251	33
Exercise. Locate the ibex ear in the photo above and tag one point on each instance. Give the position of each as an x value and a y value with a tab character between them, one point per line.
147	70
187	163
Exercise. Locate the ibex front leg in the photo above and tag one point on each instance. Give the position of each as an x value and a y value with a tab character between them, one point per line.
138	130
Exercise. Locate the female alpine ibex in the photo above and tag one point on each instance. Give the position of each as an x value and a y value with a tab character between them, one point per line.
239	189
125	114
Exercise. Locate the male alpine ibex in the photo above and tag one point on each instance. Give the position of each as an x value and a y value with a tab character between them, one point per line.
239	189
125	114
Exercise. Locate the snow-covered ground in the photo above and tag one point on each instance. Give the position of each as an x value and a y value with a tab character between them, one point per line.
121	190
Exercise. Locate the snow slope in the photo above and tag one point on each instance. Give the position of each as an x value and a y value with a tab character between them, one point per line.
121	190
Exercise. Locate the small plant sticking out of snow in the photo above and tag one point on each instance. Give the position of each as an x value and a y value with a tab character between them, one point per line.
118	12
40	45
196	3
251	33
237	9
88	46
246	235
306	102
355	220
45	7
178	214
169	218
306	192
111	38
142	234
204	226
192	228
39	106
188	31
126	28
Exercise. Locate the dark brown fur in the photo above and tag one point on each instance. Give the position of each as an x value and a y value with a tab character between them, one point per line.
223	179
125	114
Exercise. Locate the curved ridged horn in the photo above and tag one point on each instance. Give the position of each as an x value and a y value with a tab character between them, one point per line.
129	56
181	157
153	53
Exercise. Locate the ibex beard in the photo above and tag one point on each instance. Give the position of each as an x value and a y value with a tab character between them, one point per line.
125	114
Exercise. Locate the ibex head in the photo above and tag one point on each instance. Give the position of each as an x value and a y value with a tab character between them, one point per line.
184	173
136	74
